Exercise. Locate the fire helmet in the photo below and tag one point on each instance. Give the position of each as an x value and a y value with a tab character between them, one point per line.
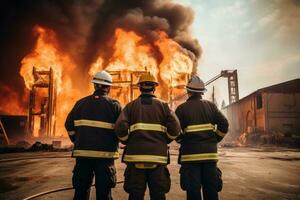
195	84
102	78
148	78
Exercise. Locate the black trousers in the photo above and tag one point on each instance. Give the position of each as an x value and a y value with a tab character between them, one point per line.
84	171
197	176
157	179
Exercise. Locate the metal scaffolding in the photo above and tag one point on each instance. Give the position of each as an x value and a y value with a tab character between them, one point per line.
47	102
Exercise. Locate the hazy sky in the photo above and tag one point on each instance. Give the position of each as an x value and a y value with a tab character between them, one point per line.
259	38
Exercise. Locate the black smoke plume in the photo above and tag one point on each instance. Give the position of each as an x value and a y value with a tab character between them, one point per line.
83	28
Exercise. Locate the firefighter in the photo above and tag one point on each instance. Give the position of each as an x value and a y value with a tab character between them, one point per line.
203	126
146	126
90	126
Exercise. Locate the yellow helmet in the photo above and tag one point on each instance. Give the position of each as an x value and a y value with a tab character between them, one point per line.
147	78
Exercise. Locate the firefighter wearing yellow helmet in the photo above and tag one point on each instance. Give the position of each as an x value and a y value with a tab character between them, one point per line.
146	126
203	126
90	127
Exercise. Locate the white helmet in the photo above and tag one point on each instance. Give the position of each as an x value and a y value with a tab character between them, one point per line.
195	84
102	78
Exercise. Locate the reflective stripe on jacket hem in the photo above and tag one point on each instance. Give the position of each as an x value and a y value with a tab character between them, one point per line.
146	158
93	123
95	154
199	127
198	157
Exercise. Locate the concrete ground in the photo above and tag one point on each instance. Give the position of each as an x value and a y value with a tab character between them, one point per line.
248	173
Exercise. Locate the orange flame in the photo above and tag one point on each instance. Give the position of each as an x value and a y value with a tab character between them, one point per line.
164	58
11	102
132	53
44	56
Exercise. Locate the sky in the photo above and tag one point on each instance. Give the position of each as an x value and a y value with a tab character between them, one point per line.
259	38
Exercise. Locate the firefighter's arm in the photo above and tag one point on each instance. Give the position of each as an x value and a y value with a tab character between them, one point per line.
181	120
69	125
221	122
172	124
122	126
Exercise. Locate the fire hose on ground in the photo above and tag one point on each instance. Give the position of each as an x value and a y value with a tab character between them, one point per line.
55	190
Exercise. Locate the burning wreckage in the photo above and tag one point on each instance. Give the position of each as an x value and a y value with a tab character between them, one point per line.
145	37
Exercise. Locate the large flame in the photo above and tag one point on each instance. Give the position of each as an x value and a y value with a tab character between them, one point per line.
132	55
44	56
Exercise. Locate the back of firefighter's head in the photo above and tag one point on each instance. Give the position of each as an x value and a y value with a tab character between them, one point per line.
195	86
102	82
147	83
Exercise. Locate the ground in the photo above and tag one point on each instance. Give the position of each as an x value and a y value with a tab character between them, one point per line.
248	173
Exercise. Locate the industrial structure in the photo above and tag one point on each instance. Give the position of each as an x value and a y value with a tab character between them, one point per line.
273	109
233	88
42	103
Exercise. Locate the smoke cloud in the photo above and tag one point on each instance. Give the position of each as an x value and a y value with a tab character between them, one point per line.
84	27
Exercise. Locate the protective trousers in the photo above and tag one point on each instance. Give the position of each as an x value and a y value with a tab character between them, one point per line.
136	180
197	176
83	174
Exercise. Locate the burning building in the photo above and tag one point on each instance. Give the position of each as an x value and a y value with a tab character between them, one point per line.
65	43
271	110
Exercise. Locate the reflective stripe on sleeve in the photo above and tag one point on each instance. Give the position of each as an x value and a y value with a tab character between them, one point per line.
95	154
197	157
93	123
199	127
146	158
123	138
220	133
172	137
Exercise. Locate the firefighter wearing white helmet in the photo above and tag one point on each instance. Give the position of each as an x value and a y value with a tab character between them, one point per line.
146	126
90	126
196	85
102	78
203	126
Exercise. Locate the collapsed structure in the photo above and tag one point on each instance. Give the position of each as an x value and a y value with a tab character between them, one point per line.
272	111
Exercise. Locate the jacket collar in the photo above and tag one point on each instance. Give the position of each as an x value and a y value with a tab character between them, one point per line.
99	93
194	97
145	95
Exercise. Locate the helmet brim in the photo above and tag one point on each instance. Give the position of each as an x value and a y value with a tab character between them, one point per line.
101	82
155	83
196	90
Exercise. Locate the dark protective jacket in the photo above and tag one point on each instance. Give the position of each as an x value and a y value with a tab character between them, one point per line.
90	126
146	126
203	126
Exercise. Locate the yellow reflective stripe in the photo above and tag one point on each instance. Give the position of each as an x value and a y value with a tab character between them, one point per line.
199	127
202	156
145	158
151	127
95	154
220	133
147	127
172	137
145	165
93	123
123	138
